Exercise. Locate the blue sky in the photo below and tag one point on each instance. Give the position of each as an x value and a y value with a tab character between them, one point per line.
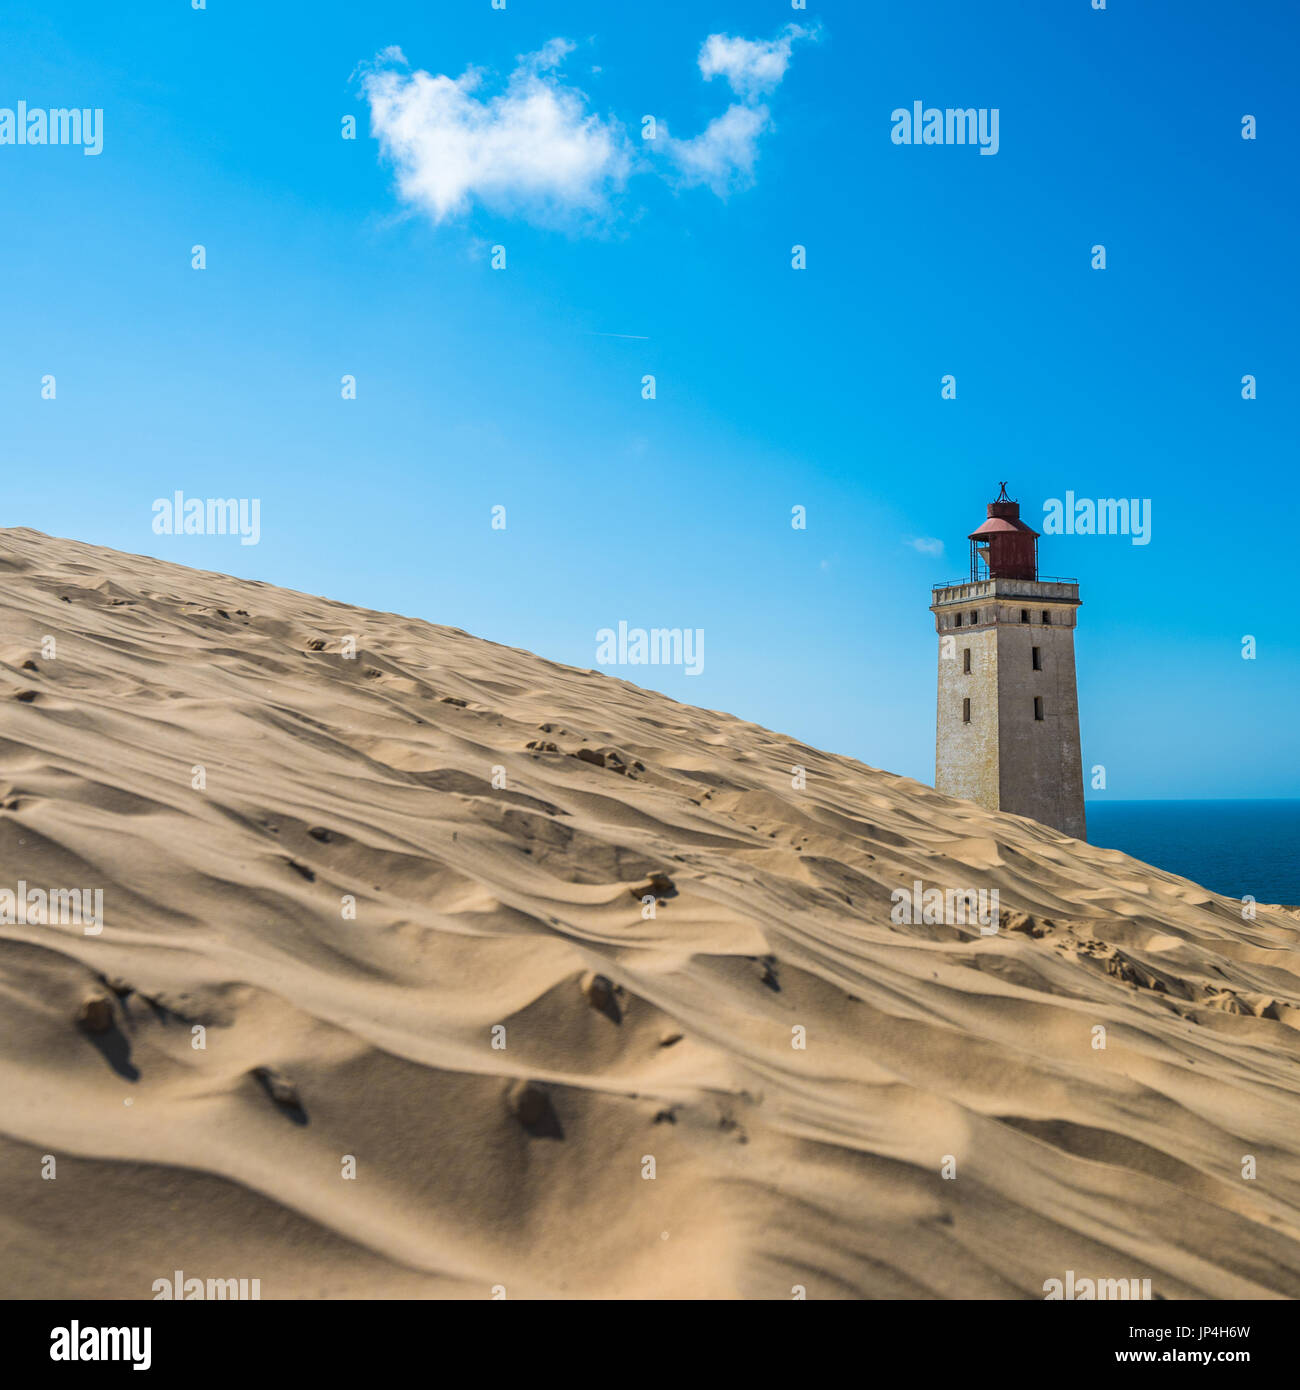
775	387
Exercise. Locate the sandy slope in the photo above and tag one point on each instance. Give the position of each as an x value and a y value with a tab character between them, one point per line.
478	906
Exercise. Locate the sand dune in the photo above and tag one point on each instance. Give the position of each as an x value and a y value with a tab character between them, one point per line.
498	880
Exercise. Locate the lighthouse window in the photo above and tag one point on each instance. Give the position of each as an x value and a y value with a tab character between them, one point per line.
958	619
1047	617
1038	706
974	617
965	660
965	711
1038	658
1024	615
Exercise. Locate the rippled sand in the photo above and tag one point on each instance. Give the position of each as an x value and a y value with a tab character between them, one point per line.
499	886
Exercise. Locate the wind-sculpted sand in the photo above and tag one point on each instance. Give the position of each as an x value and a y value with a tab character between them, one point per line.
498	821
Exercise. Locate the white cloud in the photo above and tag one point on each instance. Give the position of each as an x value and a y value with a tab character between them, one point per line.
534	148
723	154
551	54
753	67
927	545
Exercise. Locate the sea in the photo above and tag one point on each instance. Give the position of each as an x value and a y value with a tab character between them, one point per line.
1234	847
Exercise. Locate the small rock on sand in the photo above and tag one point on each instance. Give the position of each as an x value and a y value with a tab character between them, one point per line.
96	1014
282	1091
534	1110
660	885
598	990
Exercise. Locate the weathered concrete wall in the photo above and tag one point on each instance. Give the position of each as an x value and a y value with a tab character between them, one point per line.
966	755
1040	771
1005	758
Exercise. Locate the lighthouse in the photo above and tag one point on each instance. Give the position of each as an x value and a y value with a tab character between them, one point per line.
1007	733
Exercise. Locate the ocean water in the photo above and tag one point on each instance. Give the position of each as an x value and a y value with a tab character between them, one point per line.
1233	847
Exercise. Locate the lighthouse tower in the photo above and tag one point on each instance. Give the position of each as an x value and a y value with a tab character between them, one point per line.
1008	724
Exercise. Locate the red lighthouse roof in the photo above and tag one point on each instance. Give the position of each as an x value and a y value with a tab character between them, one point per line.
1004	547
997	525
